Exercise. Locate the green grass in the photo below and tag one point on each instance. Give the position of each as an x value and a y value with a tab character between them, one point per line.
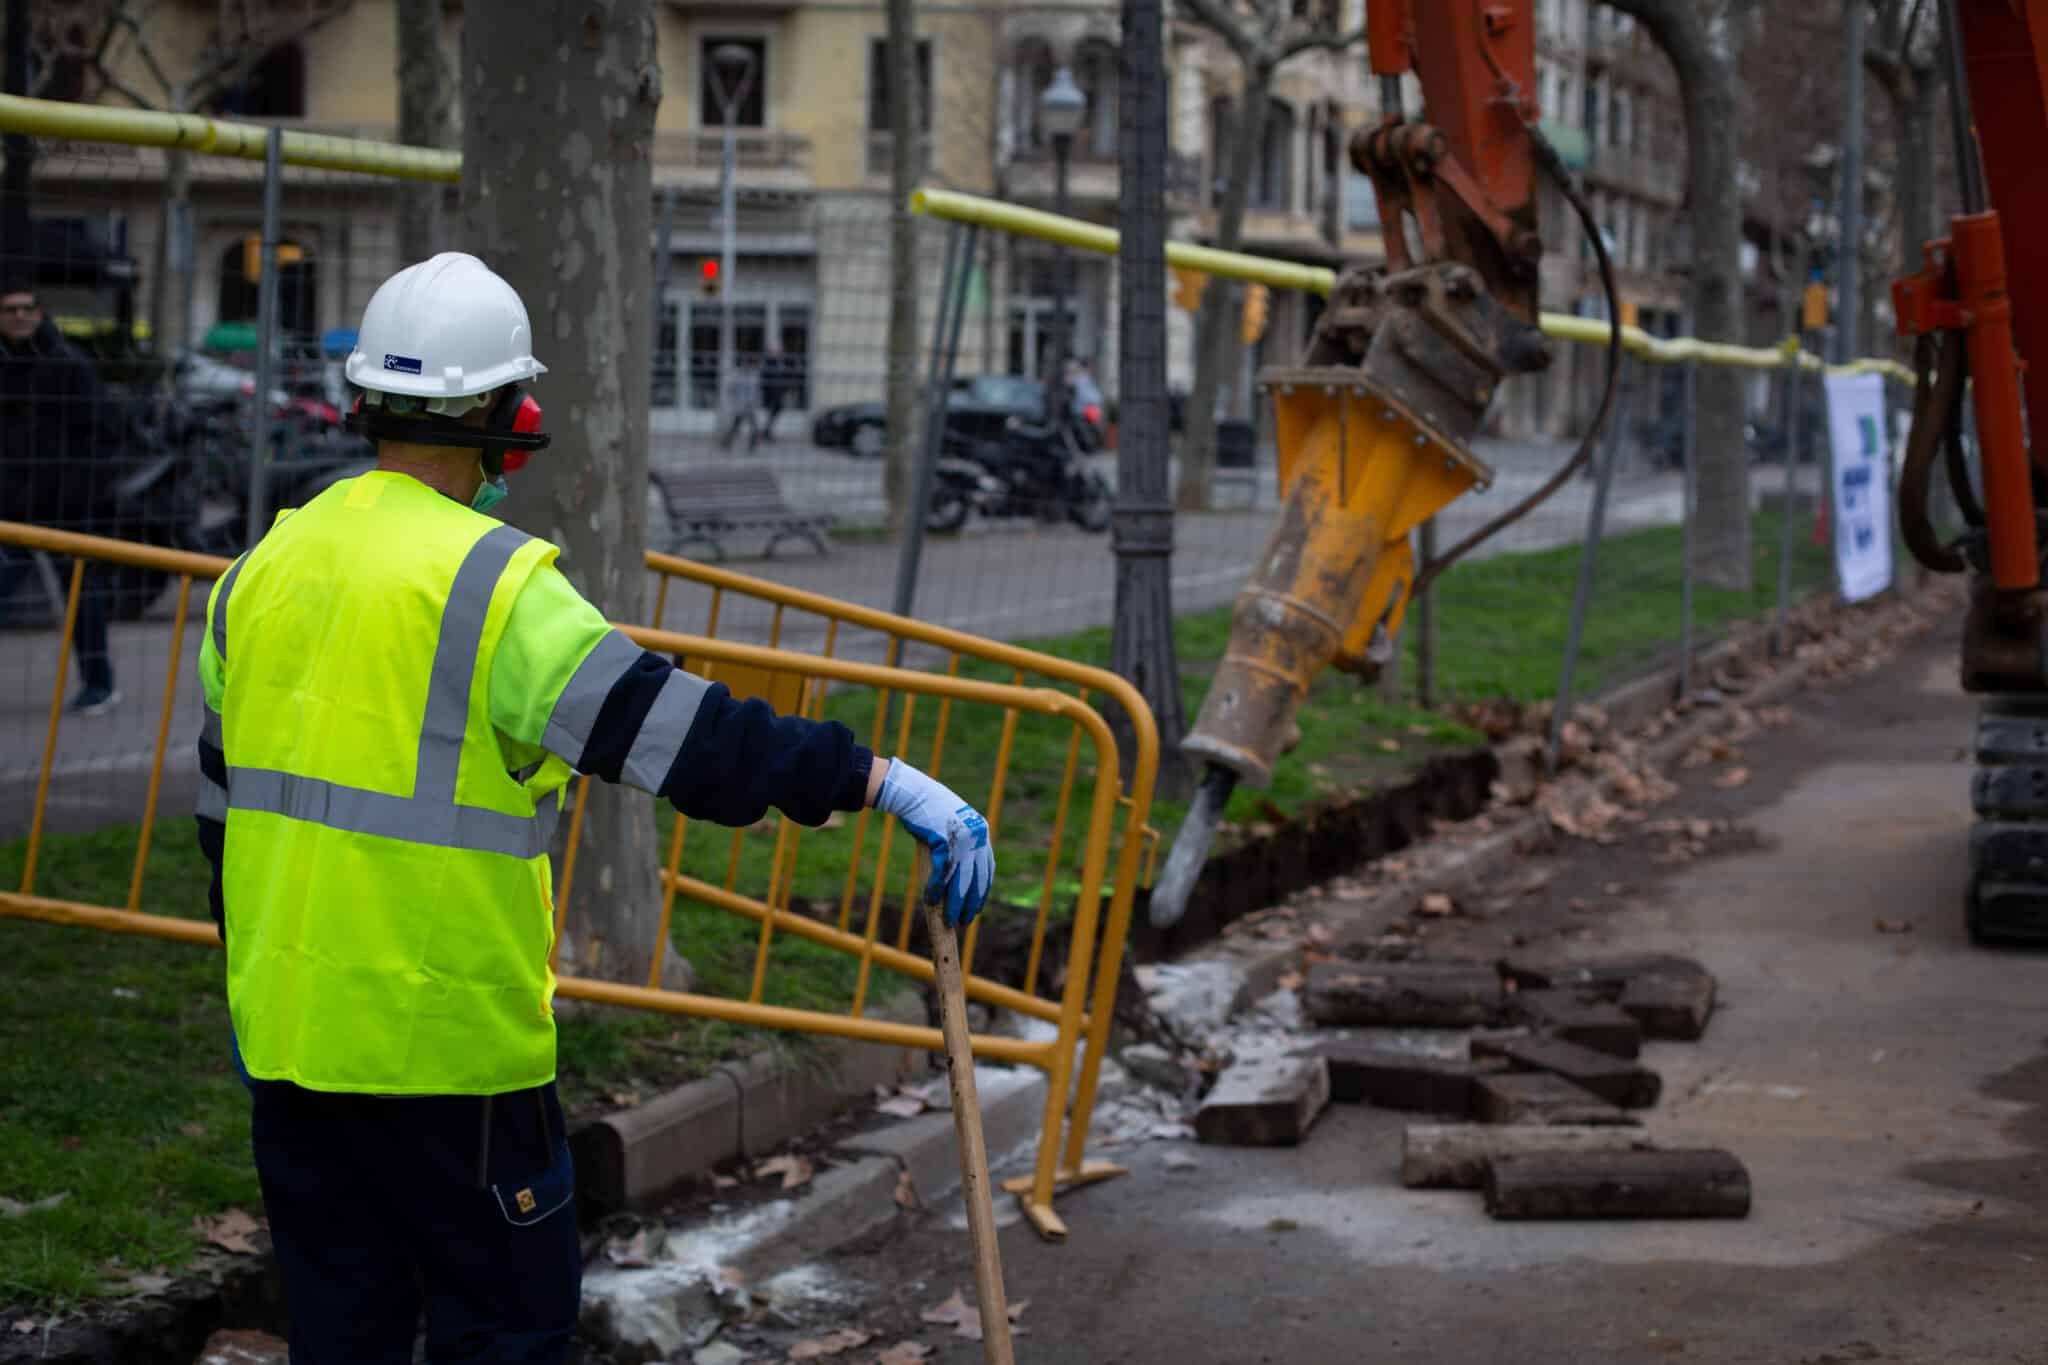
115	1086
1501	623
114	1081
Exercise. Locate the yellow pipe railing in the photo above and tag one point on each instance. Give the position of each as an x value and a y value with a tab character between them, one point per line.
1235	265
206	136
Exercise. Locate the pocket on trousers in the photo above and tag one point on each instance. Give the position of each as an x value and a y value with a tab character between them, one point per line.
529	1201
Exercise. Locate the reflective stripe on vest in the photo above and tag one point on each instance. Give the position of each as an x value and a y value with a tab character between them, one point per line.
430	815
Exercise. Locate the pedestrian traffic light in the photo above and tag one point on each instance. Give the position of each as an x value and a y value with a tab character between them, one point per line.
707	277
1253	324
1187	288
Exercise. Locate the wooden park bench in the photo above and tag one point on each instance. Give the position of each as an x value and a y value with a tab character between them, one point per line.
710	502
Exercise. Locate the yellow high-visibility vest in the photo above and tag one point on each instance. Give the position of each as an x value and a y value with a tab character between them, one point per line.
386	880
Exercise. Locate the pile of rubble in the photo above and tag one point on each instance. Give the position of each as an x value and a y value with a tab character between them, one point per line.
1529	1072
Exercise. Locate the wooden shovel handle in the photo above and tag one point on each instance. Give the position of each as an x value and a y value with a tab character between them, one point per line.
981	1215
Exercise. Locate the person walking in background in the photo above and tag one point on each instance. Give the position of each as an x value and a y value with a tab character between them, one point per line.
744	393
50	420
775	377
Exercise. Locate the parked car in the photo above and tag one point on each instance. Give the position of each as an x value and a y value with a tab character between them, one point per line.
979	408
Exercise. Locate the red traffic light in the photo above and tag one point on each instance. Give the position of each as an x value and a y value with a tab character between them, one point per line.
708	268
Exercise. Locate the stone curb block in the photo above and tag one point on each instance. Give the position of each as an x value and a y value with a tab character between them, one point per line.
1012	1110
843	1204
1259	965
748	1108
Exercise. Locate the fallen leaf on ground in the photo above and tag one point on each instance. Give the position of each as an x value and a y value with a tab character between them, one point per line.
794	1170
901	1106
1436	903
229	1231
24	1326
906	1191
192	1130
630	1253
72	1143
14	1208
1290	981
146	1284
624	1099
831	1344
1734	777
1894	926
1392	746
723	1182
904	1353
1319	935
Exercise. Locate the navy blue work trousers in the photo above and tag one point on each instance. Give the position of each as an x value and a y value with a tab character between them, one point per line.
460	1209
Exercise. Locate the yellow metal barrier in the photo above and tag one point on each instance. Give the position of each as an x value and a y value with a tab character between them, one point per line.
1099	894
220	137
1072	232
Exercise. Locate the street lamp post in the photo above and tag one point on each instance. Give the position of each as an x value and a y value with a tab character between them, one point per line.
730	74
1061	107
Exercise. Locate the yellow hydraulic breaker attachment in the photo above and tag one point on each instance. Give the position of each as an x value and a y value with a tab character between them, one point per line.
1359	473
1374	437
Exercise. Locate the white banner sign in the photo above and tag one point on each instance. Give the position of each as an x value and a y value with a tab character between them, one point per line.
1861	487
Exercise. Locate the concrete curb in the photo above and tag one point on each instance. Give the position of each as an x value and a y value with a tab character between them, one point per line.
1259	964
748	1108
657	1311
1012	1109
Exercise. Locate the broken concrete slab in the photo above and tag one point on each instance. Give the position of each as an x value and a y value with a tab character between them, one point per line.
1267	1102
1403	994
231	1346
1589	1023
651	1313
1527	1096
1670	1003
1601	977
1155	1066
1698	1183
1613	1079
1012	1109
1191	999
1361	1073
1453	1156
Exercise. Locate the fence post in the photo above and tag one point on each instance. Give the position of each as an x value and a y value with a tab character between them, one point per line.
266	335
960	244
1792	397
1688	450
1425	622
1582	595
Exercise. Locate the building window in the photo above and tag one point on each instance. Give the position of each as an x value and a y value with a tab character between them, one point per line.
879	113
1273	178
1361	208
753	106
1095	71
274	88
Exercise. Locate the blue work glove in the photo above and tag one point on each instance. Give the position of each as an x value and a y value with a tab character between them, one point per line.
963	865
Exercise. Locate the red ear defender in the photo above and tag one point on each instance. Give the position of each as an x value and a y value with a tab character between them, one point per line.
526	420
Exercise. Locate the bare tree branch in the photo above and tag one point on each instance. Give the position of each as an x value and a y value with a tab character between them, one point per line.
142	50
1216	16
237	59
1320	37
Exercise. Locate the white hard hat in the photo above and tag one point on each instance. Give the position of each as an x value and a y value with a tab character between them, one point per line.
445	328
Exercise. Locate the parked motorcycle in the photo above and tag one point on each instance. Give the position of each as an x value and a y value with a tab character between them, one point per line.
1035	470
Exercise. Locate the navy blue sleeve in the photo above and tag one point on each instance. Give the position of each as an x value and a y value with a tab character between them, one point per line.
740	759
213	833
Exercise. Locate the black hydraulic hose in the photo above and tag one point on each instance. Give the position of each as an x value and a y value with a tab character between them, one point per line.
1937	379
1547	157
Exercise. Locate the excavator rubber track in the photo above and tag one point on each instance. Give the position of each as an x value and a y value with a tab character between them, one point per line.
2008	896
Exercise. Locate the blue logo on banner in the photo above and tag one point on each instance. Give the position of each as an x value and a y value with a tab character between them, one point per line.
404	364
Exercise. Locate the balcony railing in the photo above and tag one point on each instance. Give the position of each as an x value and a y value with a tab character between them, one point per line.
754	149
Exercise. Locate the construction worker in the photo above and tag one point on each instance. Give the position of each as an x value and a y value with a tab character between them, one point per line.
398	687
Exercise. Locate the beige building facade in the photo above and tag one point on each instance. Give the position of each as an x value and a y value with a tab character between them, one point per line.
810	272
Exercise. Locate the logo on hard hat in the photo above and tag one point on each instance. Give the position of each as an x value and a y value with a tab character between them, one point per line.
404	364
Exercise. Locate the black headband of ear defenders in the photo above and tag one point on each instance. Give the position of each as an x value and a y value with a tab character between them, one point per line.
513	425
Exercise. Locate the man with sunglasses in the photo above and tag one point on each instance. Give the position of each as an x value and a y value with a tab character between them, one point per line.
398	689
50	414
